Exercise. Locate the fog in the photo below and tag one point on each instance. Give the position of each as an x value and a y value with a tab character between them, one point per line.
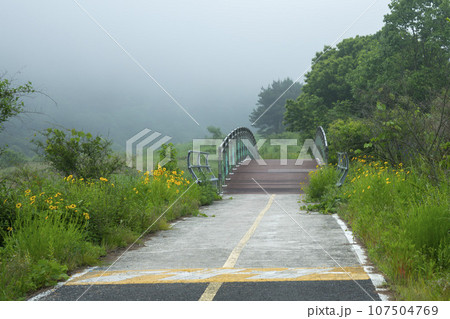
94	60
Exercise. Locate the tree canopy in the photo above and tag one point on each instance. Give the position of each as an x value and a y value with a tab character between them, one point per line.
10	99
267	117
408	59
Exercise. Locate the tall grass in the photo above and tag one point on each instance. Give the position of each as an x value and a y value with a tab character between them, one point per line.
51	226
402	218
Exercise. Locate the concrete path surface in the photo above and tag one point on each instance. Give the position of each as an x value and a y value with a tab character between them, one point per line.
250	247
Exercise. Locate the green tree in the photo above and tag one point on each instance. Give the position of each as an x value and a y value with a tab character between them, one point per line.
408	60
411	57
267	117
328	92
215	132
10	99
79	154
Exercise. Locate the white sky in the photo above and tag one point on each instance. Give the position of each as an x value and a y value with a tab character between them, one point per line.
212	56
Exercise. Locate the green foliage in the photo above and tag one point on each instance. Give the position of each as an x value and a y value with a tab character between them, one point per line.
328	93
268	114
10	99
39	250
402	219
351	136
408	58
417	39
10	106
409	135
47	273
169	153
208	193
79	154
321	182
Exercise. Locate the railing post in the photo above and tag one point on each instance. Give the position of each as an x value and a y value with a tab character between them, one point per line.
219	172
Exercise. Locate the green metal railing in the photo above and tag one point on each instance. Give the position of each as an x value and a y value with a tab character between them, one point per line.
198	166
342	167
233	150
322	144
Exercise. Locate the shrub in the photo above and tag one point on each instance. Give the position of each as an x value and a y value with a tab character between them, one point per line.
351	136
168	153
408	134
79	154
321	181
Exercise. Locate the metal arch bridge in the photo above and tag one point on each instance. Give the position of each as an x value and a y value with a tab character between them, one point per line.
242	170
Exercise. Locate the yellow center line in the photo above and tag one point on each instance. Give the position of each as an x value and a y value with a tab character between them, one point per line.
214	287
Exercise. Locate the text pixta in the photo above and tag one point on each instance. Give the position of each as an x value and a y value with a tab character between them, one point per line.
329	311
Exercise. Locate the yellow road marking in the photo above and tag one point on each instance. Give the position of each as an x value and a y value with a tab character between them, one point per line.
217	276
232	259
212	289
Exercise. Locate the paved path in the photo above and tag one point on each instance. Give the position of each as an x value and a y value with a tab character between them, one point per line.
251	247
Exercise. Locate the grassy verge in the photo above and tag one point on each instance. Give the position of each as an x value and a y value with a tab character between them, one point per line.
50	225
401	217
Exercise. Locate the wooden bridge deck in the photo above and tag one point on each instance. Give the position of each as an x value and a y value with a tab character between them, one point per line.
273	178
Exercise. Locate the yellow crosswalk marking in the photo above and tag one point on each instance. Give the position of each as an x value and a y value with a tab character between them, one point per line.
217	275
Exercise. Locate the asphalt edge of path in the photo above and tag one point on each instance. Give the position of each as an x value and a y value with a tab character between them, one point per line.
375	276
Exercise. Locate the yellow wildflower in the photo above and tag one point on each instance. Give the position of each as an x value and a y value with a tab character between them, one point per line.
18	205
